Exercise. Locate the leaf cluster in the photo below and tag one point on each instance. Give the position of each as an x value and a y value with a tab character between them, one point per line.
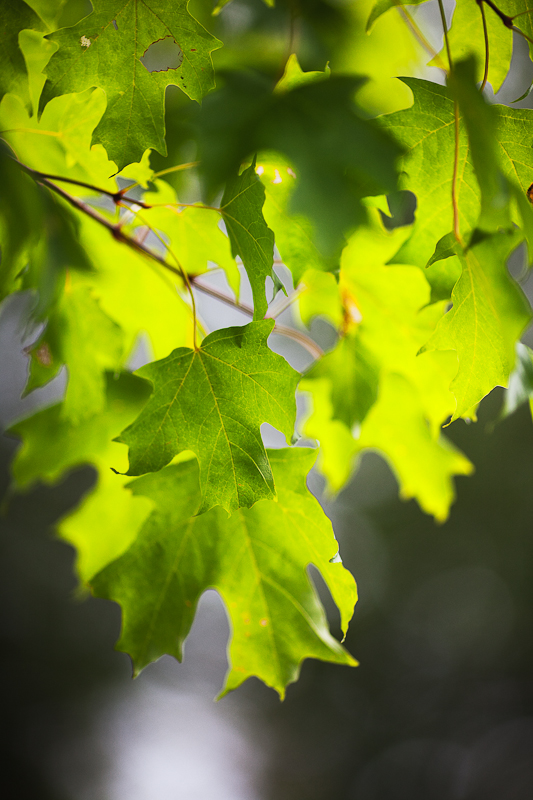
125	200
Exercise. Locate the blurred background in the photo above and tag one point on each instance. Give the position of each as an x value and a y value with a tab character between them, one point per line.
441	705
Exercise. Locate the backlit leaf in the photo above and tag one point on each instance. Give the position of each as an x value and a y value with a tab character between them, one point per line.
109	517
212	401
256	559
489	314
118	33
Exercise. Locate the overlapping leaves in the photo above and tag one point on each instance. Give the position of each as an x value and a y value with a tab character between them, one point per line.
404	362
374	390
117	34
256	559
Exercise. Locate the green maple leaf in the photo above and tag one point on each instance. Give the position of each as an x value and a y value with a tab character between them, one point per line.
109	517
117	34
427	132
388	319
194	235
423	464
81	336
249	235
212	401
339	157
466	39
256	559
489	314
500	141
15	16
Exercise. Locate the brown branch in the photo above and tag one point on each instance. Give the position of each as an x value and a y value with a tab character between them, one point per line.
305	341
135	244
507	21
117	197
445	29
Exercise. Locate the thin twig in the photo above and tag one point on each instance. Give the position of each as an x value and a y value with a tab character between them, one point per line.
417	33
445	29
278	308
455	204
135	244
521	14
507	20
305	341
183	205
166	171
183	273
115	196
486	37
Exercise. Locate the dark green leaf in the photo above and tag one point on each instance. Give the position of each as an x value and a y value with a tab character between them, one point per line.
212	401
15	16
250	236
338	156
118	33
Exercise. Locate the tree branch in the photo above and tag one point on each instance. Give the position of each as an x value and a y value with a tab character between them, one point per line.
136	244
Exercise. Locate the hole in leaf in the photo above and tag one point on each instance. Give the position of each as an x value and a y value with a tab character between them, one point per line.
162	55
402	206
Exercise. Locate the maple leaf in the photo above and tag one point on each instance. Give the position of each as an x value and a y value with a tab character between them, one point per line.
466	37
339	157
212	401
107	521
498	141
15	16
427	132
117	34
489	314
249	235
81	336
373	390
256	559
